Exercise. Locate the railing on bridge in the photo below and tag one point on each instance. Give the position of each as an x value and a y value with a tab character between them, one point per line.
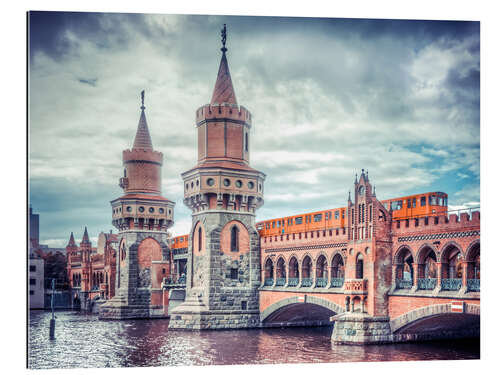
280	281
473	285
268	281
451	284
321	282
293	281
404	284
426	284
306	282
337	282
179	283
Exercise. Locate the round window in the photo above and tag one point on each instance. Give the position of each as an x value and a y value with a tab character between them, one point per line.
151	209
251	185
129	209
227	182
161	210
141	209
210	182
238	183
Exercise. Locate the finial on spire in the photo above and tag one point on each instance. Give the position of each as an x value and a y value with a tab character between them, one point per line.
142	100
223	37
373	190
356	178
349	198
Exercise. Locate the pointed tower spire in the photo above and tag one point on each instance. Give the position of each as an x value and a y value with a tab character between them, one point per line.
142	138
71	240
349	197
85	238
223	90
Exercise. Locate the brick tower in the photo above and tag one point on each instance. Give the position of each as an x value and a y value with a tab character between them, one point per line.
368	276
142	217
223	192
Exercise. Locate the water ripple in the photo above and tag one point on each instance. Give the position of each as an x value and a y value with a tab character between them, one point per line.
82	340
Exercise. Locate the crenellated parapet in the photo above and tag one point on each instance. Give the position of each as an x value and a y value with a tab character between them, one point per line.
218	111
440	223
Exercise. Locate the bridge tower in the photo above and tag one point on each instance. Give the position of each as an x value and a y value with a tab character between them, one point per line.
223	192
142	217
368	276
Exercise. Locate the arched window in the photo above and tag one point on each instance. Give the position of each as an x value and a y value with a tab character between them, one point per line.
199	238
359	266
234	238
246	142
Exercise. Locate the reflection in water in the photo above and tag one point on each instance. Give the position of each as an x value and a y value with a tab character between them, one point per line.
85	341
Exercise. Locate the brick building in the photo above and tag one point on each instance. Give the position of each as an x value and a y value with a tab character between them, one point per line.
383	271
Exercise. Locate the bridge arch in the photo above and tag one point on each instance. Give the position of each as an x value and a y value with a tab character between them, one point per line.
300	310
435	319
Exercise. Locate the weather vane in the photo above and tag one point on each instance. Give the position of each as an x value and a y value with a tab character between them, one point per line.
142	99
223	35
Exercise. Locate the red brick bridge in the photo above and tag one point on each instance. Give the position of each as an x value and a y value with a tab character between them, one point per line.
409	279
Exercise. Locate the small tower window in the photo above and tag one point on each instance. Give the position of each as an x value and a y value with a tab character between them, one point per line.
199	239
124	173
234	238
246	142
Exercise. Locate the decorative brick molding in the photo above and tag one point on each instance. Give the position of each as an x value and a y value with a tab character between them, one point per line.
309	247
425	237
356	286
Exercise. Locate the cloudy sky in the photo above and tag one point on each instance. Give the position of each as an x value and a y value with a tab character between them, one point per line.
328	97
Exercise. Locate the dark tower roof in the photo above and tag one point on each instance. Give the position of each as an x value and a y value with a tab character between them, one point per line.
223	90
85	238
142	138
71	240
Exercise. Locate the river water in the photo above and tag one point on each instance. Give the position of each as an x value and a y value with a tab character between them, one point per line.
82	340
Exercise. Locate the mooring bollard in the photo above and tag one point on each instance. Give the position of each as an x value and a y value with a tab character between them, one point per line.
52	330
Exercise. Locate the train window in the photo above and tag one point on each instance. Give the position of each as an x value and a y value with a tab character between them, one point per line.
432	200
298	220
337	215
279	223
343	214
445	201
422	201
408	203
439	201
274	224
318	217
396	205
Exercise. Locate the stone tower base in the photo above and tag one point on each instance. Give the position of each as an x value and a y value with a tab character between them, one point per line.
194	315
361	329
136	306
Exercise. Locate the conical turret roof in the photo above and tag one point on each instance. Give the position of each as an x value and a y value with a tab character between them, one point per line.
85	238
142	138
71	240
223	90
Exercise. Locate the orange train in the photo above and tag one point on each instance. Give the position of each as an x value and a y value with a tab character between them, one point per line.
427	204
179	242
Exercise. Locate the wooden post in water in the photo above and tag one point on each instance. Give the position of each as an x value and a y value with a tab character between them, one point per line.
53	320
